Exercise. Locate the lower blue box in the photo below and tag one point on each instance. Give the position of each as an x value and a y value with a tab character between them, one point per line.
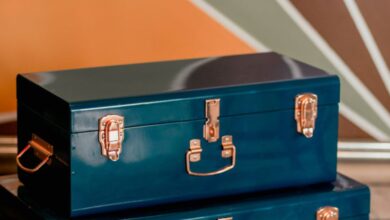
343	199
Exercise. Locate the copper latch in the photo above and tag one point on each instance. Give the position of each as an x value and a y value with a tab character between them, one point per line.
328	213
306	113
211	127
111	136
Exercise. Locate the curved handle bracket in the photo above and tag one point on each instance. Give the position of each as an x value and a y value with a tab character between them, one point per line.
194	155
42	150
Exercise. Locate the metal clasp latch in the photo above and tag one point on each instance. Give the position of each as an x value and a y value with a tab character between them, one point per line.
328	213
194	155
211	127
42	150
111	136
306	113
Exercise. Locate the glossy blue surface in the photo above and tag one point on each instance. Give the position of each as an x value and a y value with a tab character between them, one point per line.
152	165
351	198
172	91
257	109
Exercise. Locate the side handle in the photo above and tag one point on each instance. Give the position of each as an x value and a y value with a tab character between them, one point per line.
42	150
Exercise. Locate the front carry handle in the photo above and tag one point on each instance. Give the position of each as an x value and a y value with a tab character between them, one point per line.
194	155
42	150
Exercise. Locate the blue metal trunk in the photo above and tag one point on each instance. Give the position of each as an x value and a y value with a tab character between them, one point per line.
163	106
345	198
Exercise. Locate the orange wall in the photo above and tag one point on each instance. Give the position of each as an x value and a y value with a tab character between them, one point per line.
51	35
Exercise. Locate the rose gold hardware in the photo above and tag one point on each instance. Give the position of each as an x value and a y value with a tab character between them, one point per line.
306	113
196	150
42	150
211	127
328	213
228	148
194	155
111	136
227	218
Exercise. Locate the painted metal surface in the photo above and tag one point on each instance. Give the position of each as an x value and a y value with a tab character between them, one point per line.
257	95
351	198
137	92
152	165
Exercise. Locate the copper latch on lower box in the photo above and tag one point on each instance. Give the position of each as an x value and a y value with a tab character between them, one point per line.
211	127
306	113
328	213
111	136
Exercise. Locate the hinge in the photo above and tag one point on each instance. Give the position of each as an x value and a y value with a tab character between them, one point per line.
111	136
306	113
211	127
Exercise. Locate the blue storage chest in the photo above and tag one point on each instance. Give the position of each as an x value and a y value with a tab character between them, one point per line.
139	135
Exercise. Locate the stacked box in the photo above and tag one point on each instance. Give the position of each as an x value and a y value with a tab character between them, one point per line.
134	136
